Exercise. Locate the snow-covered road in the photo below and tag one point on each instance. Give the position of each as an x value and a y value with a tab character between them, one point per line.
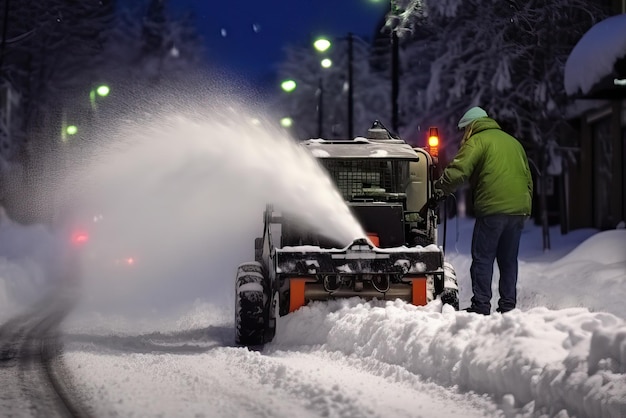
351	359
205	377
28	349
196	373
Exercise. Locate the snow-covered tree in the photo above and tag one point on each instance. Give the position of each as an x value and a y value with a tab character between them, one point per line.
148	53
149	47
50	50
507	57
59	51
56	47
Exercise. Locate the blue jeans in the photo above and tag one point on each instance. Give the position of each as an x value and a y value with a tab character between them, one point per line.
495	237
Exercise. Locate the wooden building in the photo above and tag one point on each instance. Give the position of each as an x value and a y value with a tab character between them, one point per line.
595	77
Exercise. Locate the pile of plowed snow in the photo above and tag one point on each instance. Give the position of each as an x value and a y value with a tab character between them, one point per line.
541	361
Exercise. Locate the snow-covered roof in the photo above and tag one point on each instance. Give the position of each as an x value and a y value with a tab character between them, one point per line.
595	54
390	149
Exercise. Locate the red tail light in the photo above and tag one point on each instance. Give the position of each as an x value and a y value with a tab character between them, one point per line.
126	261
79	237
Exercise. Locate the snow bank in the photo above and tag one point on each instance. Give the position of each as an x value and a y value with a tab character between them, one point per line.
542	360
591	276
605	248
538	359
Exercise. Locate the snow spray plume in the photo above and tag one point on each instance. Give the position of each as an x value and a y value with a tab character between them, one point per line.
184	196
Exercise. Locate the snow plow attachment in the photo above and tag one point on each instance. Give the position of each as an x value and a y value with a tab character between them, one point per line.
360	257
361	270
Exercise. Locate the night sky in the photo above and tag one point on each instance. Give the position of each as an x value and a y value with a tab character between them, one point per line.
247	37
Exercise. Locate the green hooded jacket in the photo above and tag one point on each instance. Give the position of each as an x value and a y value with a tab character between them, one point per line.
496	166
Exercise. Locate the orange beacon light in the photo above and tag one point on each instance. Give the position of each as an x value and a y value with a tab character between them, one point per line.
433	142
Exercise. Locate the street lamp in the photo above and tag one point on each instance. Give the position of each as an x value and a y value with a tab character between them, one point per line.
102	90
286	122
288	85
323	44
67	131
325	63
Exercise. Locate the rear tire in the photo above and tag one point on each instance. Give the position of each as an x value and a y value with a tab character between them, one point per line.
250	305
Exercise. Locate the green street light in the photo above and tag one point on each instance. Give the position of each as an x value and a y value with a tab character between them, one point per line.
321	44
286	122
103	90
71	130
288	85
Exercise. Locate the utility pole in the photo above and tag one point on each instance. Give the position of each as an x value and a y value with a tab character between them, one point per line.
320	104
395	63
350	87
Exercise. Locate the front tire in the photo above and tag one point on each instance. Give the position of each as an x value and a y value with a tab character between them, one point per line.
450	294
250	305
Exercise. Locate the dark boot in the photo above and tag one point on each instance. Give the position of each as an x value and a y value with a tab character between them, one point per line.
473	309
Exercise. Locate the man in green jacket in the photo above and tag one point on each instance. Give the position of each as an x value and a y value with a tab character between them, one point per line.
496	167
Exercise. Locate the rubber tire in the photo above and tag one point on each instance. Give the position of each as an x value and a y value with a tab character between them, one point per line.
250	305
450	297
450	293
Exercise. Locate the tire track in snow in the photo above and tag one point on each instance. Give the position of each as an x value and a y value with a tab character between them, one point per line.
33	382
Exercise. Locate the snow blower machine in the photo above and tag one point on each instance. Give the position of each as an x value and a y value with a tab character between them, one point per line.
388	186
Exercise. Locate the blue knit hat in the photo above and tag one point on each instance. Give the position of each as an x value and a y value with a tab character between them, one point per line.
471	115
